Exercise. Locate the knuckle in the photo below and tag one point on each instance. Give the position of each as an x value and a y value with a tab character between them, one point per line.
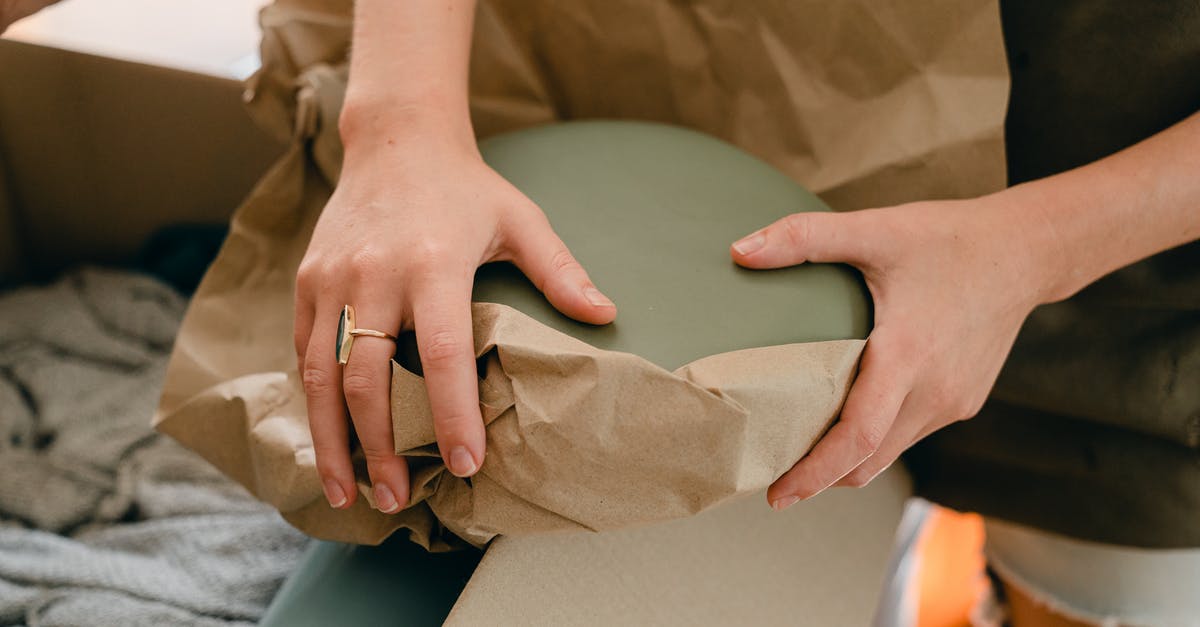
563	260
309	274
378	454
953	405
956	409
452	424
942	401
366	261
797	228
863	475
327	474
942	395
429	255
453	427
888	341
359	383
868	437
811	487
858	478
442	347
900	347
520	213
316	274
330	459
967	408
318	380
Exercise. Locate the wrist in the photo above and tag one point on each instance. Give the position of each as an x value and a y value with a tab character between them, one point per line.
1055	269
367	125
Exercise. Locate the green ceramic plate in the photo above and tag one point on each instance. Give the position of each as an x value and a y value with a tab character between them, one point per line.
650	211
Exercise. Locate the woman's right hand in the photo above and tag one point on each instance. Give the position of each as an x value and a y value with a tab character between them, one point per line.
400	239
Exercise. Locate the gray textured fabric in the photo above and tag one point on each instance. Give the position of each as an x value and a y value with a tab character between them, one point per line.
102	521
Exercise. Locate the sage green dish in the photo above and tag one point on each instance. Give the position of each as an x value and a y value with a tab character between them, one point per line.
650	211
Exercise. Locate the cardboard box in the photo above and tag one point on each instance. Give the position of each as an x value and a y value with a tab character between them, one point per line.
97	153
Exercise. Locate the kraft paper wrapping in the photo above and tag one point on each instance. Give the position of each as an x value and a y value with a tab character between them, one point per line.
869	103
578	436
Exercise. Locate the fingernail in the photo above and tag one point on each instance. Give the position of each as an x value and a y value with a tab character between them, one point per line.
385	501
783	503
596	298
750	243
461	462
334	493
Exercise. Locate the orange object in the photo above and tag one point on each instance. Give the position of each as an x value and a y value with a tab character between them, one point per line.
1025	611
950	569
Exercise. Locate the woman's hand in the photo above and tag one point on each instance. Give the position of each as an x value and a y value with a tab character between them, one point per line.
415	212
400	240
952	283
954	280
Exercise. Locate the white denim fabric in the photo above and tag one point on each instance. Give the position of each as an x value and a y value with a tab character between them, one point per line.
1105	584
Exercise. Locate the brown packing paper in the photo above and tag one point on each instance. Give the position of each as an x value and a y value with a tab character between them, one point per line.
748	416
866	102
869	103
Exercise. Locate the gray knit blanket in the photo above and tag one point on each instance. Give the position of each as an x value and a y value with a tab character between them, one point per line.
103	521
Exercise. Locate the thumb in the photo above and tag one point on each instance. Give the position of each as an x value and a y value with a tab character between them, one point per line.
813	236
546	260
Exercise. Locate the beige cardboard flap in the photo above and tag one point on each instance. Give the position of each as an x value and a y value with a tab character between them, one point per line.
820	563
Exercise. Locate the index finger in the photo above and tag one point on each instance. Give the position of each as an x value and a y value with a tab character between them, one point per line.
442	321
870	410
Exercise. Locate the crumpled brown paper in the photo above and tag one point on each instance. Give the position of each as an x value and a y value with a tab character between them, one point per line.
582	438
869	103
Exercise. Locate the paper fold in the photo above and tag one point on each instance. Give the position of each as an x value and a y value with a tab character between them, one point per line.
577	437
580	437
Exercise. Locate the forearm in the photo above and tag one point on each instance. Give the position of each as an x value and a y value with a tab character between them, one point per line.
1097	218
408	73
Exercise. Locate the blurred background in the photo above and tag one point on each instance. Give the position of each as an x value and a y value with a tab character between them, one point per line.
218	37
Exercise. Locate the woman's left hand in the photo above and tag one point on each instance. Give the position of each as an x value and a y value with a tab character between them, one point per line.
952	283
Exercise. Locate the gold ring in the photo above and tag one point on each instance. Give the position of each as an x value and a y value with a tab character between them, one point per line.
347	332
372	333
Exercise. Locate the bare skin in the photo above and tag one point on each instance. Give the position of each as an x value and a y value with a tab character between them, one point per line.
415	212
954	280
